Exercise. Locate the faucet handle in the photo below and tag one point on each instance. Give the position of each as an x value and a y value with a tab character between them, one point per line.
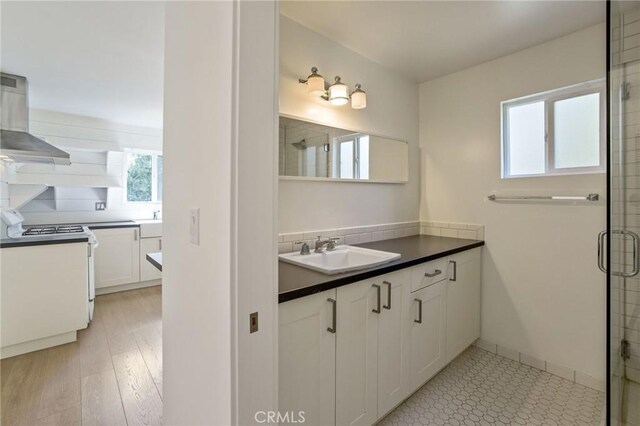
304	249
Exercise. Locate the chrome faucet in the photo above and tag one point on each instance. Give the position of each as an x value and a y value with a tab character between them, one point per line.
155	214
330	243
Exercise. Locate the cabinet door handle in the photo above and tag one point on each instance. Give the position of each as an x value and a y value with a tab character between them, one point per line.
455	270
135	235
435	274
419	320
377	310
332	329
388	305
160	245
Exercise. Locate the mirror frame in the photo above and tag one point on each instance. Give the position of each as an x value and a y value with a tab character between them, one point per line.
323	179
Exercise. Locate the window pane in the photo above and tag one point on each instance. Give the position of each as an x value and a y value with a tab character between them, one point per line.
346	160
138	177
159	177
363	157
526	139
576	123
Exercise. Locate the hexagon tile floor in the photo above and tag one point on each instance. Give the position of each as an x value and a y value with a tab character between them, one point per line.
482	388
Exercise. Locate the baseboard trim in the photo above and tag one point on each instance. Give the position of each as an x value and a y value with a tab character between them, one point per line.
550	367
127	287
36	345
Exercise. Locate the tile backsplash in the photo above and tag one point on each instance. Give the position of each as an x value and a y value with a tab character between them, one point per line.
469	231
364	234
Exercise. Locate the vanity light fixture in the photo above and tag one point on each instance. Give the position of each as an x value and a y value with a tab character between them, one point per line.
337	93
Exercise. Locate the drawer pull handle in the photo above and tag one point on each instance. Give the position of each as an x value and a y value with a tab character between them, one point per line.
388	305
419	320
435	274
332	329
455	270
377	310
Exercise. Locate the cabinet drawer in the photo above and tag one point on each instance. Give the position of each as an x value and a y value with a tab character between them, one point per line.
428	273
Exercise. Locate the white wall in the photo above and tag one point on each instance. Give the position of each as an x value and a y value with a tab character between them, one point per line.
220	157
196	305
542	292
96	147
392	110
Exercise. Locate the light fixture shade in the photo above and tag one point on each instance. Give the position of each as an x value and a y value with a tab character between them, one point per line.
338	93
315	85
358	98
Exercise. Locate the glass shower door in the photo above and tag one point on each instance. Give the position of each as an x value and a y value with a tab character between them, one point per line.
623	213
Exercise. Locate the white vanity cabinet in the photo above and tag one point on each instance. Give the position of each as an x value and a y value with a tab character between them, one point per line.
307	358
359	306
147	270
393	340
463	301
393	333
428	317
117	257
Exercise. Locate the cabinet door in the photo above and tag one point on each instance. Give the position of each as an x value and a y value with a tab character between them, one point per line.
357	353
117	257
307	358
427	319
463	301
393	340
147	270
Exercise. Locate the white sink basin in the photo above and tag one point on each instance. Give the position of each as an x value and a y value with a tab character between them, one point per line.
342	259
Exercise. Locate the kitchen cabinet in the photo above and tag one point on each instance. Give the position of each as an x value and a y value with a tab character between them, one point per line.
428	317
44	295
147	270
463	301
307	361
117	257
393	340
359	306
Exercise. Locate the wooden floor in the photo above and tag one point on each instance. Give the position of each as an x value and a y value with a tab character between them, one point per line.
111	376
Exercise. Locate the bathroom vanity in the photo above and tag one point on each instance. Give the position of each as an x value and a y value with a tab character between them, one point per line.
353	346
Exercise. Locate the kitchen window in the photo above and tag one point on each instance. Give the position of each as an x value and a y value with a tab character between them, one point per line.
143	175
555	133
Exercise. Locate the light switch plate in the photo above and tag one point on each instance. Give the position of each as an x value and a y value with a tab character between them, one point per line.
194	226
101	205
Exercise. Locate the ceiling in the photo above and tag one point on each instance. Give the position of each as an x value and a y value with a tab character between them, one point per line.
99	59
423	40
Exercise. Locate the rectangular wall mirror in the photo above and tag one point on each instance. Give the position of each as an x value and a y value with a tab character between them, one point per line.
315	151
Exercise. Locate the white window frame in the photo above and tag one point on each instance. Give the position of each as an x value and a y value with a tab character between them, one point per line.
549	98
355	137
154	175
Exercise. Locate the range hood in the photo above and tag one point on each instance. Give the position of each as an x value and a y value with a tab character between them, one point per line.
16	142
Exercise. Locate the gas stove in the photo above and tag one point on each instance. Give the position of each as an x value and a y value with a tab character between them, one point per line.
49	230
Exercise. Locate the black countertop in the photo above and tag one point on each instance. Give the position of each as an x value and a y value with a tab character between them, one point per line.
44	240
296	281
106	225
64	238
155	259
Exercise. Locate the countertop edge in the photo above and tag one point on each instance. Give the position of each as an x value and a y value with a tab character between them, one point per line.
370	273
11	244
154	262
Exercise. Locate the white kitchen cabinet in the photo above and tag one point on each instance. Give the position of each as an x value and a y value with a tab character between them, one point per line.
117	258
359	306
463	301
307	358
428	328
147	270
393	340
45	295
